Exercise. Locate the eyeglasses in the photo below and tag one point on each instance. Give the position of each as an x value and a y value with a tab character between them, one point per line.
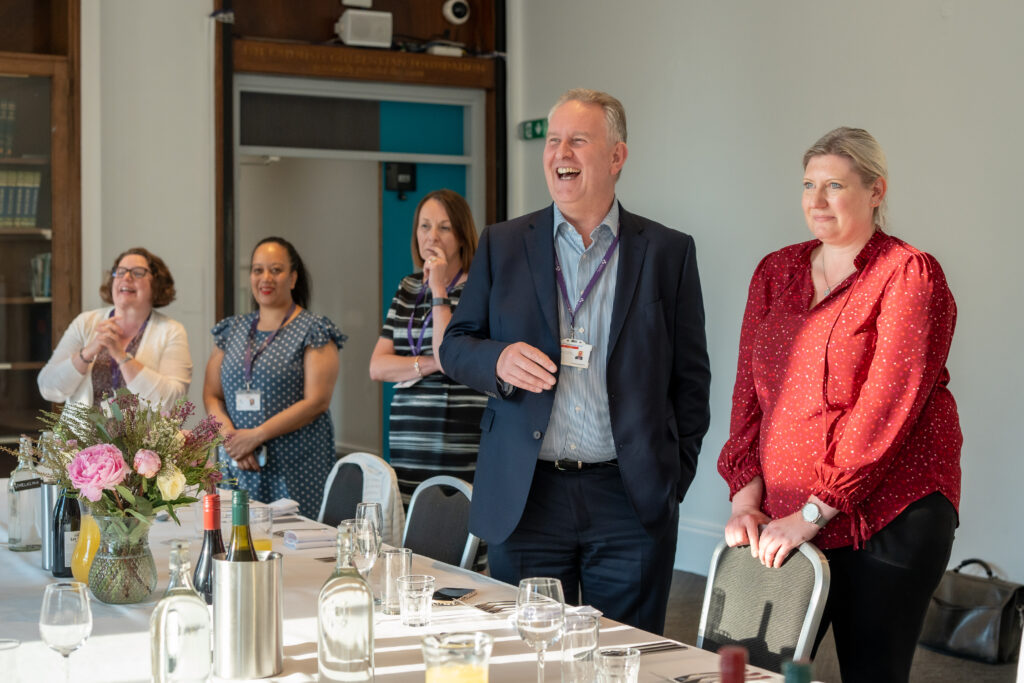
138	272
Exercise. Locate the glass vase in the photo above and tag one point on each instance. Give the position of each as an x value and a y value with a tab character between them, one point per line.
123	570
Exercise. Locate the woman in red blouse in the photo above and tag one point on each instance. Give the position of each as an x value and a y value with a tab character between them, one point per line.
843	429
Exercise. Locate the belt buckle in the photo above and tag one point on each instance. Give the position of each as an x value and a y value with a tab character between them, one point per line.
559	466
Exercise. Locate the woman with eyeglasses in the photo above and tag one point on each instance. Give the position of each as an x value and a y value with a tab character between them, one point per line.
126	344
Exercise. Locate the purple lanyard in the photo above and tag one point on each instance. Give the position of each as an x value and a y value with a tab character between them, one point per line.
417	344
586	291
250	355
115	370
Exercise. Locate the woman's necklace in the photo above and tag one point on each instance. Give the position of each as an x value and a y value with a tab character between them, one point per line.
828	287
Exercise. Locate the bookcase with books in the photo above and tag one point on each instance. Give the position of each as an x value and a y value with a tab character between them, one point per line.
36	292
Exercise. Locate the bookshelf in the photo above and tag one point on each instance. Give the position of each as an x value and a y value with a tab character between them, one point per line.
38	243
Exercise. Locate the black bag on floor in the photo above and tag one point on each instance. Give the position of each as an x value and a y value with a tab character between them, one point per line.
975	617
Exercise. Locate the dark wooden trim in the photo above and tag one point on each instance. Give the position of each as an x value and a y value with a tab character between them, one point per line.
74	163
260	56
33	64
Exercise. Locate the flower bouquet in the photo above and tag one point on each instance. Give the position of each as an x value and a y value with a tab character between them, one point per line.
127	460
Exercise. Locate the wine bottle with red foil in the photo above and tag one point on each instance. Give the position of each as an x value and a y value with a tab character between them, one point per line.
240	548
213	543
67	522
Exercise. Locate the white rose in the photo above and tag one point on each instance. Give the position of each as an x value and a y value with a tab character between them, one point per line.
171	482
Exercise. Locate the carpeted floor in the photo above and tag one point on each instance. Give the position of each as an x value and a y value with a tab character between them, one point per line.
929	667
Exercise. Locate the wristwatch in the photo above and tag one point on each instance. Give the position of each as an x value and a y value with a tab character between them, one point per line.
812	513
440	301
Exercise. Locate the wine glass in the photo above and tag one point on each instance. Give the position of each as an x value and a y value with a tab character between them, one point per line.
540	612
65	620
372	513
367	542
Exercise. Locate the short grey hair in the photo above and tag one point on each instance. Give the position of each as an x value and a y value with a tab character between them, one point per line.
863	151
614	112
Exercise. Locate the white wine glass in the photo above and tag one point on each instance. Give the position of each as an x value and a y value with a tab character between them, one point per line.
367	543
65	620
372	513
540	613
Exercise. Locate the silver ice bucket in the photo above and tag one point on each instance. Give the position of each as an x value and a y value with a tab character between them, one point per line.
248	619
48	495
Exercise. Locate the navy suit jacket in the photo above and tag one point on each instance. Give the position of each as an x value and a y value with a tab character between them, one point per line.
658	374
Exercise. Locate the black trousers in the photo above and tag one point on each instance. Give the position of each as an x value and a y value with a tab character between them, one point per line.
880	593
580	527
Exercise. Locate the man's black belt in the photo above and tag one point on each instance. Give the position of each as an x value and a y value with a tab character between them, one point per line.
575	465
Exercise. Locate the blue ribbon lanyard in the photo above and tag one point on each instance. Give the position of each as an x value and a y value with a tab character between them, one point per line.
250	355
417	344
586	290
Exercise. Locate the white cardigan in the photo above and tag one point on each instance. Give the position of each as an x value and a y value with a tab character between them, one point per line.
163	352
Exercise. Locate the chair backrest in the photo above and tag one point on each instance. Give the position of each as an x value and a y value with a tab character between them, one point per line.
774	613
437	524
363	477
342	493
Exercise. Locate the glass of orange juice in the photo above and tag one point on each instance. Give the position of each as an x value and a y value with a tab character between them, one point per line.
457	657
261	523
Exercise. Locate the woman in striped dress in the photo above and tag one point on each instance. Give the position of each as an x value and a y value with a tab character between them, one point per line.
435	422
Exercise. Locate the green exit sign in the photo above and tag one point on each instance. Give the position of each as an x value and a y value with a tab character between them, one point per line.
534	129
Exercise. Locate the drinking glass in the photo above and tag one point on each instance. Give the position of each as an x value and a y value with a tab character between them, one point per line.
461	657
367	544
415	593
261	523
579	642
540	613
397	563
371	512
617	664
65	620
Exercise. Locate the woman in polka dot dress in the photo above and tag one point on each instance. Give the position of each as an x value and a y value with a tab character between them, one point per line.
269	381
843	429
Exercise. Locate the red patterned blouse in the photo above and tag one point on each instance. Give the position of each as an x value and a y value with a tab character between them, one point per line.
847	399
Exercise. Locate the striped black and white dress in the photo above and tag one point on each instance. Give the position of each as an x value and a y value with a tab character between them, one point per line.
435	423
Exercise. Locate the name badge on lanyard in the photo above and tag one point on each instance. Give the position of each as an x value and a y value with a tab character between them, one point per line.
576	353
247	399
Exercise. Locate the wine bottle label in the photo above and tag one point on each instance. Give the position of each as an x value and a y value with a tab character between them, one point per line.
70	539
25	484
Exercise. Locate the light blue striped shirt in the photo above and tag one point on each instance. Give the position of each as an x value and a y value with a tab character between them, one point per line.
580	427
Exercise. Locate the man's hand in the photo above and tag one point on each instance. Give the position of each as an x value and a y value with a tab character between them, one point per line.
526	367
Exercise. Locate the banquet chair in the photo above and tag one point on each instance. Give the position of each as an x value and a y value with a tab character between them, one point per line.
363	477
774	613
437	524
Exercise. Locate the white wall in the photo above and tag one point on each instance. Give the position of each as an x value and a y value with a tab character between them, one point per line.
723	98
147	151
330	211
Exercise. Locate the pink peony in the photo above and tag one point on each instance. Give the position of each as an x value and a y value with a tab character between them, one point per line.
147	463
96	468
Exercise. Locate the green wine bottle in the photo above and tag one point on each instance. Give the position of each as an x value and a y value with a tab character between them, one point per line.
240	549
798	671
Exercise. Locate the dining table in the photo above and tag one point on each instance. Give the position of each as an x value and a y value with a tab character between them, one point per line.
118	650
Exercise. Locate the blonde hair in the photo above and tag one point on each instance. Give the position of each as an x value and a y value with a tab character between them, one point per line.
863	151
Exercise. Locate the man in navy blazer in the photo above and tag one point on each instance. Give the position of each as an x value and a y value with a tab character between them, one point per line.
584	324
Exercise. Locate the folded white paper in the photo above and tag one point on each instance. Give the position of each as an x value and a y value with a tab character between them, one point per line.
285	506
310	538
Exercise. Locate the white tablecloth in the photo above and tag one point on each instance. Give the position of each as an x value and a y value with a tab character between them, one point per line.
118	649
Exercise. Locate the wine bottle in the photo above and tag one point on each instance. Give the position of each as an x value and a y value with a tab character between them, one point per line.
345	619
67	521
23	494
240	549
179	629
213	543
